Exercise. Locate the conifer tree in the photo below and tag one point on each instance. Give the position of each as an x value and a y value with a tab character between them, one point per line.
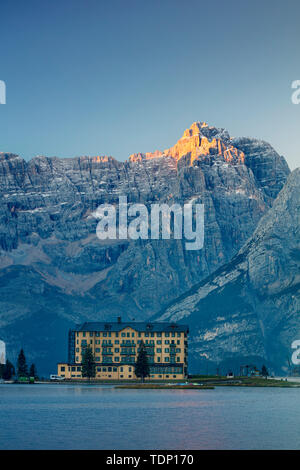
8	370
22	365
142	369
32	371
264	371
88	368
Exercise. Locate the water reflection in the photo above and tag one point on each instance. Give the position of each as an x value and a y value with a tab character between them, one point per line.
102	417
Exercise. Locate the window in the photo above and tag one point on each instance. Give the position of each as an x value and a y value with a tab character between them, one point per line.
158	359
132	334
83	334
73	369
78	369
97	359
98	369
62	369
158	350
117	359
97	350
77	349
167	350
116	341
109	369
178	359
91	333
167	341
159	335
167	359
167	334
121	369
115	369
123	335
158	341
117	350
128	335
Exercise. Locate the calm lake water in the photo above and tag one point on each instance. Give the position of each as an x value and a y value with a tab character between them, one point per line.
101	417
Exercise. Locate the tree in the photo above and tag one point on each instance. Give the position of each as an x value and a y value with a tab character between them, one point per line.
88	368
264	371
32	371
8	370
142	369
22	365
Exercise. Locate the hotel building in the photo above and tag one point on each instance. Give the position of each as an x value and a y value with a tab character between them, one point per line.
115	348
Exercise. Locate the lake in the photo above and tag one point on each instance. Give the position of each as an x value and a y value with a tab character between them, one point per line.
58	416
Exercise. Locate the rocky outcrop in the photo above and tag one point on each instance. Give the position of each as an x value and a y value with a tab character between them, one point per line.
250	307
52	261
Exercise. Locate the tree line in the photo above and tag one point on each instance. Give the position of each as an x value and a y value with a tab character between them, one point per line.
8	371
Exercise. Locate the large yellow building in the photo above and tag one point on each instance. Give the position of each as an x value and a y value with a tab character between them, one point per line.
115	347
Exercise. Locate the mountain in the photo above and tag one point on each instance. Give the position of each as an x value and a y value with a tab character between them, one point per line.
248	310
54	271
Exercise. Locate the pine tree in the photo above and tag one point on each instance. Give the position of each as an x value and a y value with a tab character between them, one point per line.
8	370
32	371
264	371
21	365
88	368
142	369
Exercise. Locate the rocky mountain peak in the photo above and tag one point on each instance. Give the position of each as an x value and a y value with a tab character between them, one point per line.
200	140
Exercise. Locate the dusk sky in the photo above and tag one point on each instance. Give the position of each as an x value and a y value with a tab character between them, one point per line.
88	77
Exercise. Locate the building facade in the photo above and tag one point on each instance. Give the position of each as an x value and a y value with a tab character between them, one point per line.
115	348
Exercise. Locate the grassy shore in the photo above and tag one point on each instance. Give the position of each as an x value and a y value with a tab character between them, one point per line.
243	382
210	382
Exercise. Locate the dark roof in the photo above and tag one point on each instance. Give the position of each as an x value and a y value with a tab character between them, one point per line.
138	326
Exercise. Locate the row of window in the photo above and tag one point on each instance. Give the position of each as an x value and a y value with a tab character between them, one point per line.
129	351
153	369
110	359
106	334
132	344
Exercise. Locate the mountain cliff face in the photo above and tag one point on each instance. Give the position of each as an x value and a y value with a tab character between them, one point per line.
53	269
250	307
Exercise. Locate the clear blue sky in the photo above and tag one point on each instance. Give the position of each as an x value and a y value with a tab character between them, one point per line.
94	77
